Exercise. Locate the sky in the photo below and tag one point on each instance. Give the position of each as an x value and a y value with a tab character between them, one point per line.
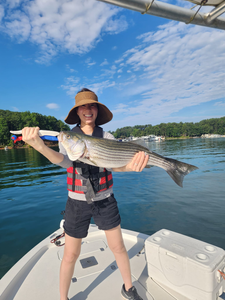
145	69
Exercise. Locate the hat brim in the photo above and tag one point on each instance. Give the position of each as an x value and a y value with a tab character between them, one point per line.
103	117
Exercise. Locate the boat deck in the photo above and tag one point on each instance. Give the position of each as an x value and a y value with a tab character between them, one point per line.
96	275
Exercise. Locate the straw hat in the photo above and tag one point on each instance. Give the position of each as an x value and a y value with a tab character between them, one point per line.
86	97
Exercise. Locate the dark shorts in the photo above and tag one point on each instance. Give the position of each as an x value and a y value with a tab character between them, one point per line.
78	216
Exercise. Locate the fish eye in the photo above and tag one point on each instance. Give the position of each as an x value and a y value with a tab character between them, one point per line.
68	136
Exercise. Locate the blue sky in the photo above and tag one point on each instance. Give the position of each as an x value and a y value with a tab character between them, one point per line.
147	70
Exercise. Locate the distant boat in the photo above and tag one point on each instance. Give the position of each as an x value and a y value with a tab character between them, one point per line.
155	138
148	138
211	136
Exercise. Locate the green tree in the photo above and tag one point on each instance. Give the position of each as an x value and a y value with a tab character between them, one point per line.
17	120
4	132
137	132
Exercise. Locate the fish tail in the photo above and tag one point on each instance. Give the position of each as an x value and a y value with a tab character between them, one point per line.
178	170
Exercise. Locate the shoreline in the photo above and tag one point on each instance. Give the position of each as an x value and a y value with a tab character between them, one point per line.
166	139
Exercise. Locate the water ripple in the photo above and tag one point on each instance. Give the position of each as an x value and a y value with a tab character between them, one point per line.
33	193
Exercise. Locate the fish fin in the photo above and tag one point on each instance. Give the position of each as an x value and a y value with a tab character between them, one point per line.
73	157
88	161
92	162
179	170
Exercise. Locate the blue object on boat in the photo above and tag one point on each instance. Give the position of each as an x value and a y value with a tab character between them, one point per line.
49	138
44	137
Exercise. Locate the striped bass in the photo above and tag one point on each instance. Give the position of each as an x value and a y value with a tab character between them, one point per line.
111	154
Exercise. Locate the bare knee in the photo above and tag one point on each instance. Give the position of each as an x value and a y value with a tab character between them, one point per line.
118	248
70	257
72	249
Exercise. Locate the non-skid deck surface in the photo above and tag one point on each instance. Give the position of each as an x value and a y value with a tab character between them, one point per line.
96	275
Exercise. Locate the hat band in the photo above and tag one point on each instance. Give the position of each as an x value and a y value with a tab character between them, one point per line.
86	95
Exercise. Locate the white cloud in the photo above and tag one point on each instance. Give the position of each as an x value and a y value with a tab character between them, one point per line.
2	12
118	60
174	68
52	106
70	69
13	3
105	62
17	25
100	86
167	71
120	108
109	73
15	108
60	25
131	83
116	26
222	104
72	85
89	62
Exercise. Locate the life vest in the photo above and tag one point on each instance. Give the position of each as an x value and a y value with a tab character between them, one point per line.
86	179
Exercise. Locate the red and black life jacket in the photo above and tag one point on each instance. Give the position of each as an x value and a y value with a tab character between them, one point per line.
86	179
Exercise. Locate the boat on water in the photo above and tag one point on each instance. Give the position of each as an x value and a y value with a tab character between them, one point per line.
147	138
165	266
154	138
151	138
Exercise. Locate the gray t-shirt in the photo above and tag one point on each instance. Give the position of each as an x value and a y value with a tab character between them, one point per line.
67	163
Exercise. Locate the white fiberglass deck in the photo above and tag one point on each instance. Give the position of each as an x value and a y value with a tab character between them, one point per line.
39	278
96	275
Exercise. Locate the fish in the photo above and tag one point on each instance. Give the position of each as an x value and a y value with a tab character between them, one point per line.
109	154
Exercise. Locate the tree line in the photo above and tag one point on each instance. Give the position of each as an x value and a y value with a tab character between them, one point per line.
17	120
169	130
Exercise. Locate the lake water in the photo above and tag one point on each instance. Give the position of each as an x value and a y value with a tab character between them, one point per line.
33	193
